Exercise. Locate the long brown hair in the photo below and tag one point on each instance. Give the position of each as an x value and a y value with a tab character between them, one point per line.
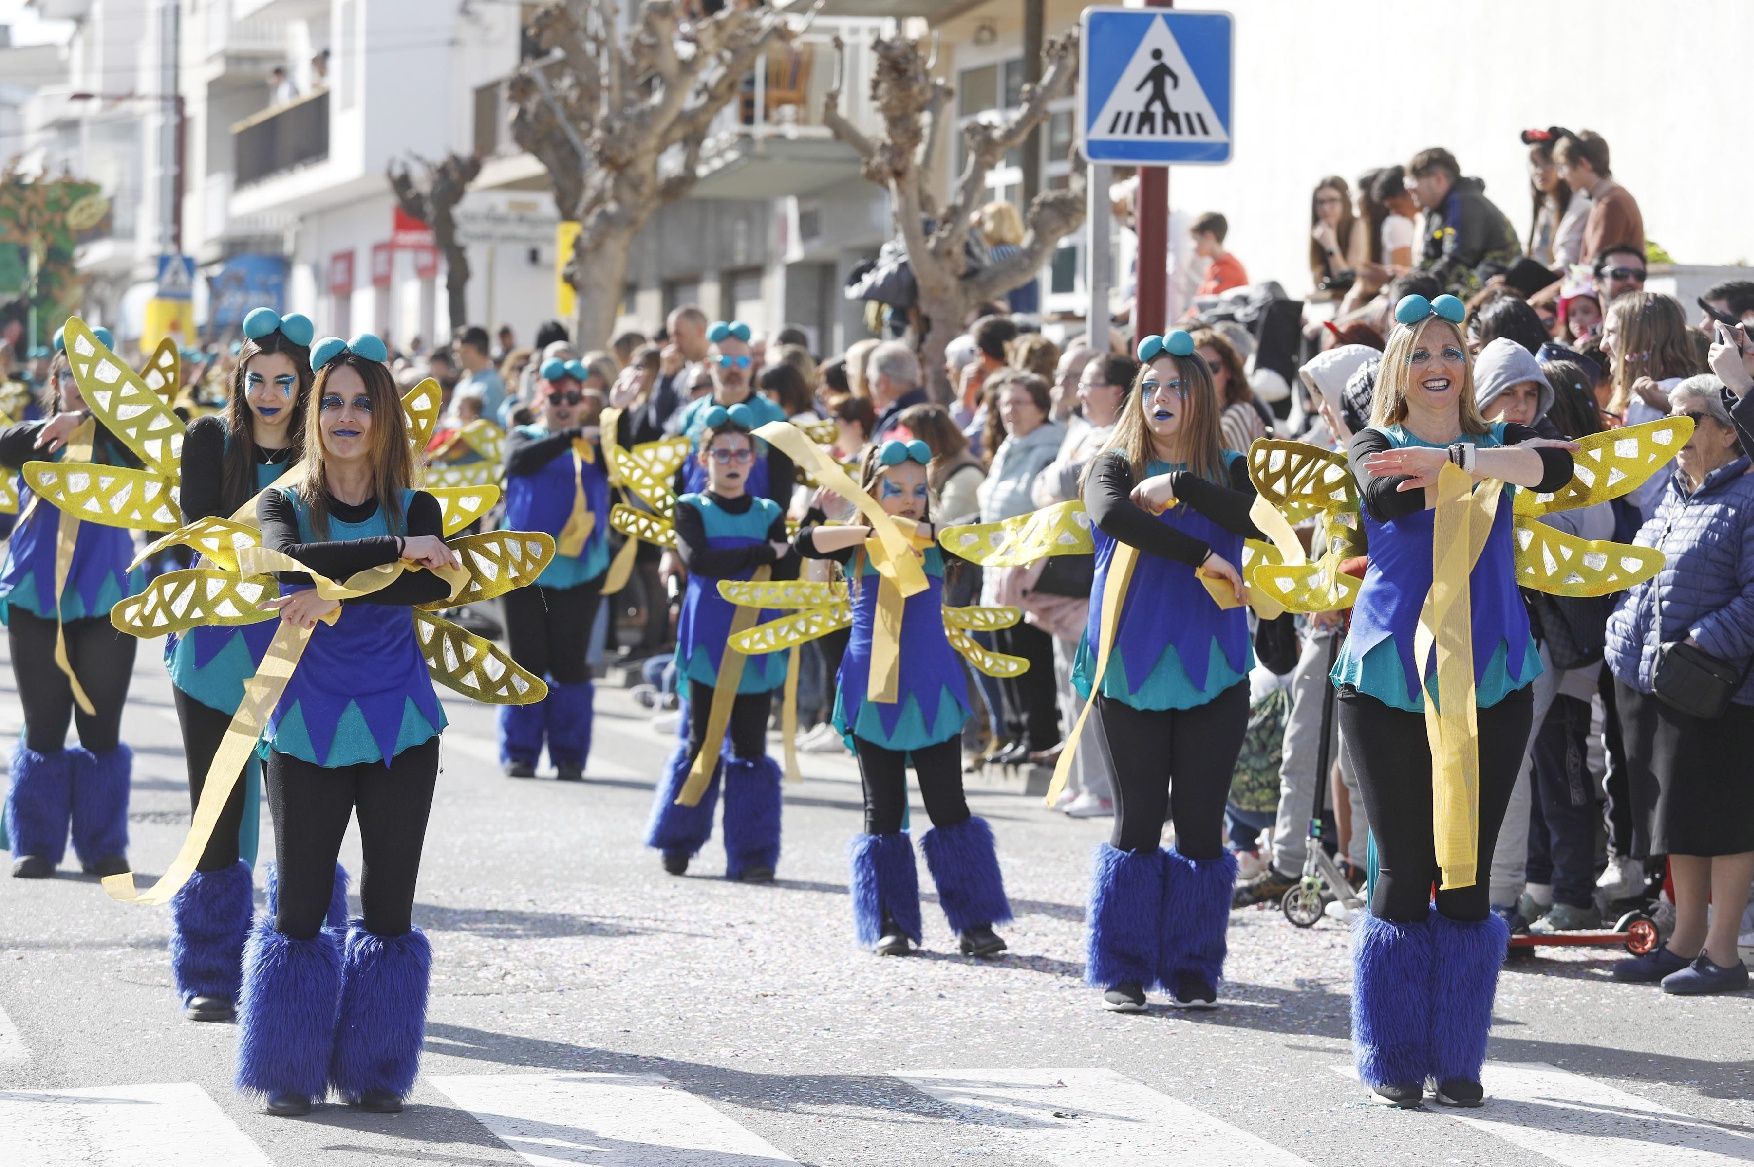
1389	404
1318	259
1651	339
1201	441
1237	389
933	425
237	476
392	463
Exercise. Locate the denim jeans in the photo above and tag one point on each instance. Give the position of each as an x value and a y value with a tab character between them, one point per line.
1562	826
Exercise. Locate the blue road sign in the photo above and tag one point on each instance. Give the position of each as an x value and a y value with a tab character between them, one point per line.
1156	86
176	277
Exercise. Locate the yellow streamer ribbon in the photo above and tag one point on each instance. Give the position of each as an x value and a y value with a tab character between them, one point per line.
620	567
724	695
789	717
1114	594
581	522
66	538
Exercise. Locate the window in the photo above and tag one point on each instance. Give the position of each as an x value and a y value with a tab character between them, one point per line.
977	90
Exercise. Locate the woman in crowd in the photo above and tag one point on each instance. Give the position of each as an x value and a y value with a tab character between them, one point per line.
1647	338
1002	228
1170	674
1497	312
555	483
1338	244
1239	423
356	731
787	388
725	532
1692	788
54	788
1424	976
227	459
1557	219
922	726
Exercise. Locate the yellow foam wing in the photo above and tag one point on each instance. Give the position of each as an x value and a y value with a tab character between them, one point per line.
498	562
1310	587
1301	480
420	405
649	470
482	436
1550	560
463	474
975	619
794	629
993	664
180	600
783	593
1062	529
139	418
823	433
461	505
163	371
218	540
638	524
1611	464
468	664
8	495
113	496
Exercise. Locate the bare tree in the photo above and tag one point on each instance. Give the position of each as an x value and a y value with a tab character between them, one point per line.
914	106
619	120
433	200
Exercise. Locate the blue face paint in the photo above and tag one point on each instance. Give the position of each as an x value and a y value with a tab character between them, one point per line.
1178	386
251	380
332	401
285	382
889	490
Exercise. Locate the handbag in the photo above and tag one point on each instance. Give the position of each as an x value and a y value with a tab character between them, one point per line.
1687	678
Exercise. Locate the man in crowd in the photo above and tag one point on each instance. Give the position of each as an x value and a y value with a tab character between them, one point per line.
480	379
1732	297
1464	230
895	384
1581	162
1620	268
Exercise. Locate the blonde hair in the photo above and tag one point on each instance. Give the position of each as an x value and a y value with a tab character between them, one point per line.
392	463
1035	353
1389	404
1000	223
1200	439
1651	339
601	365
858	353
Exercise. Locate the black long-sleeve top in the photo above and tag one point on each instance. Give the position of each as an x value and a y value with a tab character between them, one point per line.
339	558
526	455
18	445
1383	498
805	542
1107	496
202	490
723	562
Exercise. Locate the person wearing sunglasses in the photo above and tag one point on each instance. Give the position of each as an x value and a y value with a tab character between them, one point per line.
1171	686
555	482
1425	977
1619	268
732	365
725	532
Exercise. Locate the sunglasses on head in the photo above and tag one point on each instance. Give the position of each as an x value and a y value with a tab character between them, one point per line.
737	362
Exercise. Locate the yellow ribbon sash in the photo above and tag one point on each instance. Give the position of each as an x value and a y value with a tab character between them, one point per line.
66	538
789	717
581	522
724	695
1114	594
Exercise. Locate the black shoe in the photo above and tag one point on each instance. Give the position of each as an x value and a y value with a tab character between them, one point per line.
569	772
675	863
378	1102
1127	998
756	875
1407	1097
109	865
1460	1092
519	770
1193	991
893	942
32	867
981	940
210	1009
289	1104
1269	887
1014	754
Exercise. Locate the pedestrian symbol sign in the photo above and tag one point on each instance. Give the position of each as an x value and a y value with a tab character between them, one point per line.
1155	87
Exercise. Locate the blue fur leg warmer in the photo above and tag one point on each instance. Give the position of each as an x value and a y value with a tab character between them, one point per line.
569	709
210	920
286	1012
100	803
682	830
965	867
1196	915
335	918
752	814
1126	904
1391	991
382	1022
884	882
39	802
520	732
1462	985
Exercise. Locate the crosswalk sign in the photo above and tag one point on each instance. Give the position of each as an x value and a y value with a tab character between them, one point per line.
176	277
1156	86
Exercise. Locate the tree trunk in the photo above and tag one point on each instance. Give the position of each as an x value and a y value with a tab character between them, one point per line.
456	279
602	285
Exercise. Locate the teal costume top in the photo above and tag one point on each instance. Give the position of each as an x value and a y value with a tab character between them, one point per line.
543	500
703	626
98	577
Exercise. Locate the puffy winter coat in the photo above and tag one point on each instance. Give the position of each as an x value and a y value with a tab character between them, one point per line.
1466	231
1707	585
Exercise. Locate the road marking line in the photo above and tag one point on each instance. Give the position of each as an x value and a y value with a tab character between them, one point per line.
605	1120
123	1126
12	1051
1094	1118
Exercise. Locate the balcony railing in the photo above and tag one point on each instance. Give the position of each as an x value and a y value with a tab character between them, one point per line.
282	138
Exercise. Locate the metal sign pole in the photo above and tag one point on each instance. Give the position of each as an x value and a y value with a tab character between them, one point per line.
1151	222
1098	249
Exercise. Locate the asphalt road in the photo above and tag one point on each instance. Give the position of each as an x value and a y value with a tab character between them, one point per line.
588	1009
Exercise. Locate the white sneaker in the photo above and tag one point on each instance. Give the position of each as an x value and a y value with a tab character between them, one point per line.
1248	865
1088	806
666	723
1623	878
826	743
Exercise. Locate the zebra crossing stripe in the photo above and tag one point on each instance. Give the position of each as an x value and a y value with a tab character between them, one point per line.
606	1120
122	1126
12	1051
1094	1118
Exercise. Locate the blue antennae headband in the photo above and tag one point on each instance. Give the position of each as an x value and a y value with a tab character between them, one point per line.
895	453
739	416
103	335
725	329
364	345
1176	344
296	327
1412	309
553	369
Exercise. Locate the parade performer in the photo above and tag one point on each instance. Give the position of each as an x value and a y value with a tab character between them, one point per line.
1169	668
771	475
724	533
921	722
555	482
59	580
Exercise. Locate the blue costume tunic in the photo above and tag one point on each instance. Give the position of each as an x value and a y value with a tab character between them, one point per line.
1377	658
362	692
930	704
704	624
98	577
1174	647
693	426
542	501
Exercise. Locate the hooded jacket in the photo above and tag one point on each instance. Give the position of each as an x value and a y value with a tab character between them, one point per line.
1463	232
1325	375
1503	363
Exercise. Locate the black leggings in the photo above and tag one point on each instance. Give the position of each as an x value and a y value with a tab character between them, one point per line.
1035	714
203	729
102	659
1175	764
548	630
1391	758
883	773
311	805
749	714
